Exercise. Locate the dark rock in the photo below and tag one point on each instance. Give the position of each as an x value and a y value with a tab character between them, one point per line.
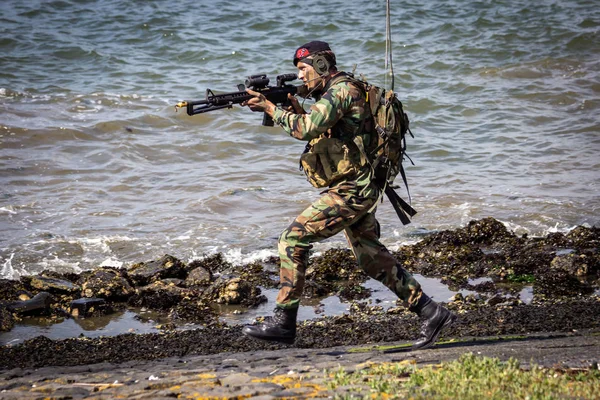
353	291
11	289
574	264
557	283
314	289
486	231
214	264
585	238
333	265
108	283
495	300
87	307
147	272
256	274
199	276
52	285
158	296
234	291
39	304
195	310
7	319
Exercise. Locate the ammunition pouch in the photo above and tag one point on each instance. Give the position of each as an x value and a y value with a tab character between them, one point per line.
329	160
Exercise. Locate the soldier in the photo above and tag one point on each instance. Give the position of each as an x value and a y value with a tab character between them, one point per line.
338	134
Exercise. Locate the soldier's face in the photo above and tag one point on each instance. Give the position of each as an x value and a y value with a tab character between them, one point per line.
309	76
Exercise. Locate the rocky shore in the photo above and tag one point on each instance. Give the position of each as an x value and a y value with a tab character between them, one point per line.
562	269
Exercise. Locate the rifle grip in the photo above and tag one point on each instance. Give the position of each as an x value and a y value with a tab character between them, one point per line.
267	120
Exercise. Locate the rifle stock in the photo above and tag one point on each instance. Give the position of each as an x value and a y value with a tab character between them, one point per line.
259	83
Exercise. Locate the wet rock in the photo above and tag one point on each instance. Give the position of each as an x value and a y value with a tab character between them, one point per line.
195	310
234	291
573	264
495	300
353	291
87	307
11	289
108	283
52	285
215	263
333	265
558	283
483	287
487	231
199	276
256	274
7	319
147	272
314	289
159	295
365	308
39	304
585	238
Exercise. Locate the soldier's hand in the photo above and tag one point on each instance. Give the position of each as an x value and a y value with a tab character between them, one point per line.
295	105
259	102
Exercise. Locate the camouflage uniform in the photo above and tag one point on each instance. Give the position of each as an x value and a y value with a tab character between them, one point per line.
348	205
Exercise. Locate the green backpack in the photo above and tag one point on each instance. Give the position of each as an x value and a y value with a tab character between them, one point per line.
387	153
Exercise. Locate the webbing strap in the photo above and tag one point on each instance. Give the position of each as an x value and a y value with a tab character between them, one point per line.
402	208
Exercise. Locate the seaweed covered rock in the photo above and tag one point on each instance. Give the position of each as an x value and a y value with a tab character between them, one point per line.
256	274
333	265
198	277
215	263
352	291
10	290
559	283
37	305
160	295
147	272
194	310
234	291
335	272
463	253
51	285
573	264
7	319
584	238
485	231
90	307
108	283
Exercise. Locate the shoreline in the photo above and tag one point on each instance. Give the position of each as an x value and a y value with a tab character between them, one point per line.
562	269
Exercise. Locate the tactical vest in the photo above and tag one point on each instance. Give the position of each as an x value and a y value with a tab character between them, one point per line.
336	155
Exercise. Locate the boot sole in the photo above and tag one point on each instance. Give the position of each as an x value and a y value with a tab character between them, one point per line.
449	321
270	339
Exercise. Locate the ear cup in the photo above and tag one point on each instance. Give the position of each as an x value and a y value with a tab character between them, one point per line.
320	64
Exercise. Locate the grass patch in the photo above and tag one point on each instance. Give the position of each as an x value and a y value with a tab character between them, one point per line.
470	377
524	278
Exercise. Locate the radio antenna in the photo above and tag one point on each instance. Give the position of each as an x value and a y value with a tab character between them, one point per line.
388	46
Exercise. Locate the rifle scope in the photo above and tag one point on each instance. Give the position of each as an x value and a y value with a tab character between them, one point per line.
257	81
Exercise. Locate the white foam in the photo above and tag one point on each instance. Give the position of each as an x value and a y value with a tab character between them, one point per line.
58	264
7	269
110	262
7	210
236	256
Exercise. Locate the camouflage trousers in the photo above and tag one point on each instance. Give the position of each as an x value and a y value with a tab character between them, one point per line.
336	211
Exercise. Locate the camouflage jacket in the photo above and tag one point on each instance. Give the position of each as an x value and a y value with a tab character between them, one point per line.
342	108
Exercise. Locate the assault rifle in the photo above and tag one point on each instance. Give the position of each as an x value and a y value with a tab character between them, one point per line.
258	83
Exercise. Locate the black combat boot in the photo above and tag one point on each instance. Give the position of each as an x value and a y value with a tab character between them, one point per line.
435	318
281	327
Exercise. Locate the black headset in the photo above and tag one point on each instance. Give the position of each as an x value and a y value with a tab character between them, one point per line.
320	64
